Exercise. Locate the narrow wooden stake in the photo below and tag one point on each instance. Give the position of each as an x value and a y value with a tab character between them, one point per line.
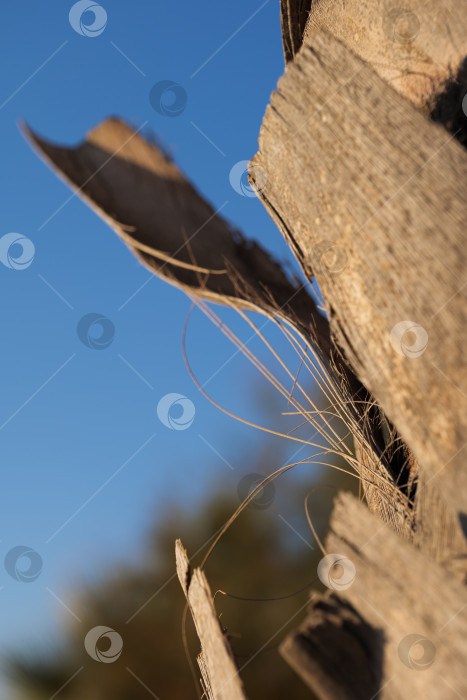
220	675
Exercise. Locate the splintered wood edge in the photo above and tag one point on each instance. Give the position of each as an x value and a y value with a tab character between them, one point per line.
183	566
217	666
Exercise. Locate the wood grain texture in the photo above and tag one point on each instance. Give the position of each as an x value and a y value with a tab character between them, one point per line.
220	676
370	194
415	45
398	630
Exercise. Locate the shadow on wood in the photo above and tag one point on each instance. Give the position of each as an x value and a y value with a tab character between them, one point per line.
336	651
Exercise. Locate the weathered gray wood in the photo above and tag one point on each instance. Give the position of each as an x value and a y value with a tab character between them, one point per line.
397	591
415	45
171	228
220	675
353	168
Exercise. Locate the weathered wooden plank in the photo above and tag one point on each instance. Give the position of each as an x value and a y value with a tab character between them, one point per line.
416	46
220	675
370	195
397	631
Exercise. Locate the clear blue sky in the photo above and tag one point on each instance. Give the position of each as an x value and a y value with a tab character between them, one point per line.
71	416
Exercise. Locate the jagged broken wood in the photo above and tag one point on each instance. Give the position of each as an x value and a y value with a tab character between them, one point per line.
136	188
221	679
397	632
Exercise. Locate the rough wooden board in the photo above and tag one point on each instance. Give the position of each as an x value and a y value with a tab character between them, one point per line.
398	591
415	45
221	678
172	229
353	167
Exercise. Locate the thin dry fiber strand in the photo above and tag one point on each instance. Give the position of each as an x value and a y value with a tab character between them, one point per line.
177	235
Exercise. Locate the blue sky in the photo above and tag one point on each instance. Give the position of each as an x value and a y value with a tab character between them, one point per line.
86	463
